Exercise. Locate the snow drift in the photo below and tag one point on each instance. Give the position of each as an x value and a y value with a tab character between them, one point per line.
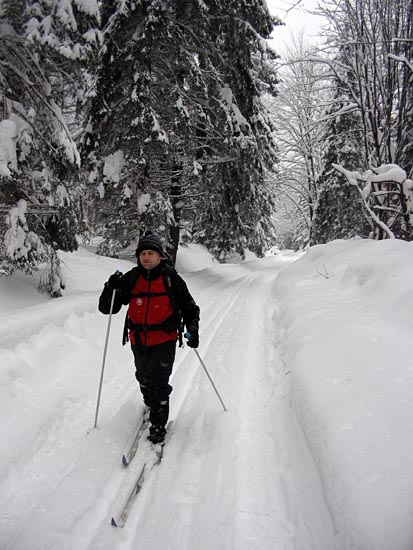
312	356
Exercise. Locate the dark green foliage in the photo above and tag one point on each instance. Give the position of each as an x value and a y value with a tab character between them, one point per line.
339	213
61	229
109	247
40	171
177	100
405	152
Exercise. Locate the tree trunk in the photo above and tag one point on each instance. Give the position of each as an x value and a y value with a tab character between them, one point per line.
175	228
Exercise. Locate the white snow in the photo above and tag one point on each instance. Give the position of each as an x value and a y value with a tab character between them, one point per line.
8	140
90	7
113	166
389	172
312	356
143	202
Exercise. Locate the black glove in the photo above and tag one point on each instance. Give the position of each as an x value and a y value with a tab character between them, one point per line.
114	281
193	339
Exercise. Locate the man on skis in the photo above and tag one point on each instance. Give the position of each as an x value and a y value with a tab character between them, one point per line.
159	302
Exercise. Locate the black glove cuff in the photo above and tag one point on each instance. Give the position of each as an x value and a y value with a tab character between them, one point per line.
193	340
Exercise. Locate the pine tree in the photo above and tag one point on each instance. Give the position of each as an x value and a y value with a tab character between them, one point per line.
136	141
403	56
39	160
164	123
339	213
240	204
405	156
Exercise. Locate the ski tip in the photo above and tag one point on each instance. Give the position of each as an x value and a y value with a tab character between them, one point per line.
113	522
125	461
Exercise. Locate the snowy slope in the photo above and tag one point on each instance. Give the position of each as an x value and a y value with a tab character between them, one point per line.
347	311
312	358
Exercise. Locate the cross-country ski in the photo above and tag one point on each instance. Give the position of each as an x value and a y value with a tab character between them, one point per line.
143	425
155	458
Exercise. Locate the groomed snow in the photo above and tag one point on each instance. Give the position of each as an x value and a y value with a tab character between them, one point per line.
312	355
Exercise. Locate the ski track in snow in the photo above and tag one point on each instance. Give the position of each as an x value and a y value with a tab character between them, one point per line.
237	480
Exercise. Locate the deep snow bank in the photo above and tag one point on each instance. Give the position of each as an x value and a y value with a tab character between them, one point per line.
347	316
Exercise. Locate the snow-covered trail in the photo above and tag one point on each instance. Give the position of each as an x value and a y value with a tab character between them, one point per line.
237	480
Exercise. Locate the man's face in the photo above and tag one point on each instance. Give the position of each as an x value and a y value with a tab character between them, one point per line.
149	259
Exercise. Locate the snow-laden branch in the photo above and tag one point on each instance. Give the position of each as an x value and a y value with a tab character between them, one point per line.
401	59
65	138
299	208
353	177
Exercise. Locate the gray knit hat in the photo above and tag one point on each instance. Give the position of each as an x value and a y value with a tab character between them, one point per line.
150	241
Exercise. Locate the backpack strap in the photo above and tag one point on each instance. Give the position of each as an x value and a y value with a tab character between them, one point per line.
142	294
167	279
125	336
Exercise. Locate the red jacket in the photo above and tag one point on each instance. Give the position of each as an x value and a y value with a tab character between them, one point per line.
150	306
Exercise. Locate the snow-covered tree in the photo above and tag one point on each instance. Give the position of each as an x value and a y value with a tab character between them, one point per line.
373	37
405	156
67	27
169	120
39	160
238	212
367	60
340	213
387	197
372	70
301	114
405	138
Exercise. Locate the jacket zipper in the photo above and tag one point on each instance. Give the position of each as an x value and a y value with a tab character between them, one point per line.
147	308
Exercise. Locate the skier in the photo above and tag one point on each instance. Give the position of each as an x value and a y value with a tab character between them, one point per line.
159	303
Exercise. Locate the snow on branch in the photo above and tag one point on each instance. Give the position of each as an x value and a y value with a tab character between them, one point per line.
401	59
386	194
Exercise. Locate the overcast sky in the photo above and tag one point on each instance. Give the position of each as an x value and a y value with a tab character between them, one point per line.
296	19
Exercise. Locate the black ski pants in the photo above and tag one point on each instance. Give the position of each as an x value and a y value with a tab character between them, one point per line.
153	368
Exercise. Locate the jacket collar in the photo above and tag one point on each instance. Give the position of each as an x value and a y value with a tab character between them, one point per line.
152	274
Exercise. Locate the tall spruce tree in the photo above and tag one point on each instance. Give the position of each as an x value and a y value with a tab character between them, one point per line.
238	211
405	155
403	57
339	213
38	156
176	130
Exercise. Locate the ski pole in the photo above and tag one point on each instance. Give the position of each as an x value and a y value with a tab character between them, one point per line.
104	356
207	373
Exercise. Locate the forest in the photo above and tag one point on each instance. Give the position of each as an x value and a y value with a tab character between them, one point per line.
178	115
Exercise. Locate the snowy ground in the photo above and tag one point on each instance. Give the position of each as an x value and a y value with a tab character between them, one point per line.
313	358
